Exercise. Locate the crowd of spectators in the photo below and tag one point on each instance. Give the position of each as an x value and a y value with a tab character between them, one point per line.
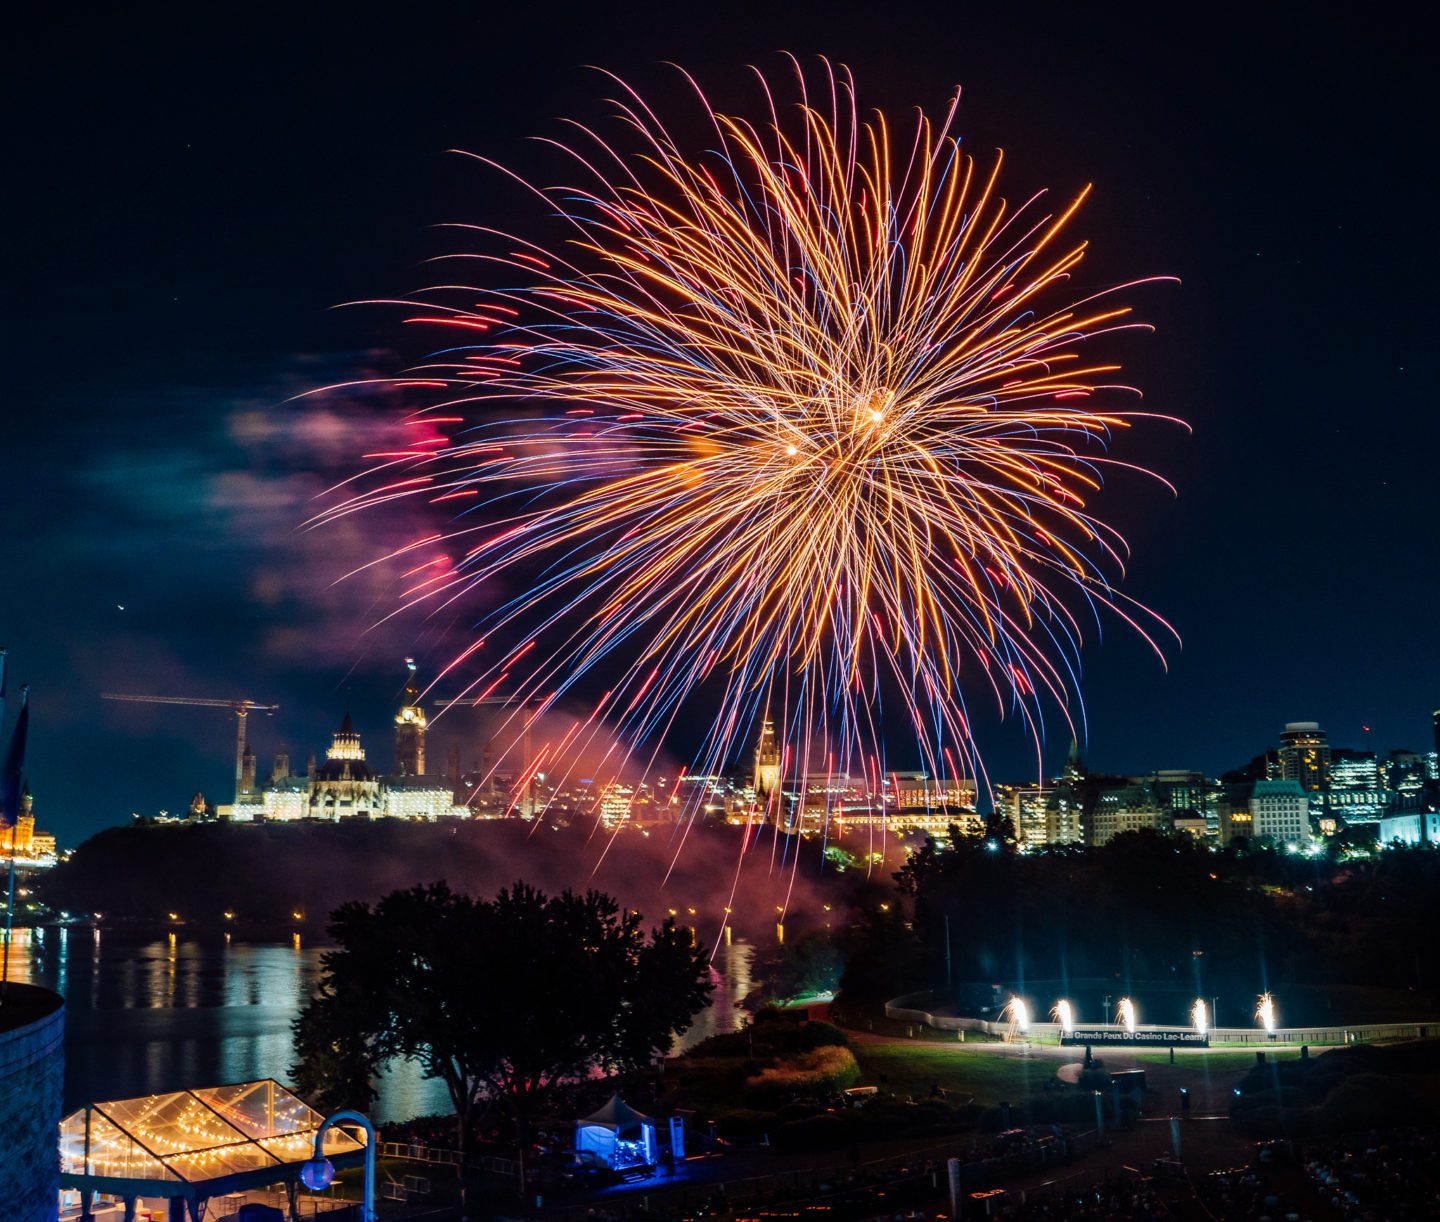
1378	1177
1245	1192
1130	1200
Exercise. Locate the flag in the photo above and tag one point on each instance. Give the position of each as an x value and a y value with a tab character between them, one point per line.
15	762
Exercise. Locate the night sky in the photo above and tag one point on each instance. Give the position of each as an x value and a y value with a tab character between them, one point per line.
195	190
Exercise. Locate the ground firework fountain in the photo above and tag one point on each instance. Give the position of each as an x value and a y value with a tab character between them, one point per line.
1018	1015
1064	1014
1200	1017
1125	1015
1265	1013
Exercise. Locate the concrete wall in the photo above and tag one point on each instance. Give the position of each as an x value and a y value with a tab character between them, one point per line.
32	1069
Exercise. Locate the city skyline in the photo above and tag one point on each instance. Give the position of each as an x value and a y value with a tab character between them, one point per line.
167	518
490	764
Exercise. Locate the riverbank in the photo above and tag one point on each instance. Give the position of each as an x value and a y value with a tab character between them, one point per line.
266	876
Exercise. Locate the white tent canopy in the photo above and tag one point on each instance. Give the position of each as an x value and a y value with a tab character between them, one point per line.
616	1137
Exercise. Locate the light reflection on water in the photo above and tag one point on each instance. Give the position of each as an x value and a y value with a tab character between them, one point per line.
145	1016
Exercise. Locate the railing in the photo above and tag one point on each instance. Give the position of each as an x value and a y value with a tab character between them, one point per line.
439	1155
833	1181
421	1154
901	1009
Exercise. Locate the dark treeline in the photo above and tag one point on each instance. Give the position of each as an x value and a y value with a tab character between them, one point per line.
1149	907
263	873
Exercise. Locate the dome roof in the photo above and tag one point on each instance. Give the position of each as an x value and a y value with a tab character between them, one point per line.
344	769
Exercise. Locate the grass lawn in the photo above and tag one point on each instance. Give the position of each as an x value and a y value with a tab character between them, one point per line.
991	1077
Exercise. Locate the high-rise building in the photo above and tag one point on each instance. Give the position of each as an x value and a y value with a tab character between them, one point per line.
1025	804
1280	812
410	729
1357	792
1406	774
1305	755
1187	796
1043	815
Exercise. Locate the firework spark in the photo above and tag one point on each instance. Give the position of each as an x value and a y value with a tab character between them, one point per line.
803	426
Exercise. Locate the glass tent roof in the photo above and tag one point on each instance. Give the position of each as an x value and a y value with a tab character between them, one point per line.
195	1135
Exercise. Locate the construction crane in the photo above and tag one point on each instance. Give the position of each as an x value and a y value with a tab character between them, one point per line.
241	708
527	798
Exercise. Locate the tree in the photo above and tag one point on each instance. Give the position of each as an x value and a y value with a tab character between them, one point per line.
803	967
500	999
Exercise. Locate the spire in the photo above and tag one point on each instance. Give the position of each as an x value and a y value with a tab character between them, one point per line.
346	743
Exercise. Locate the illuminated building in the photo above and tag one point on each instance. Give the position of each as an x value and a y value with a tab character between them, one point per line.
1187	796
1406	773
1047	814
286	798
704	795
28	844
936	820
1044	815
344	786
1191	824
918	791
1280	812
1305	755
767	761
1126	808
1026	806
808	805
617	801
1233	819
1411	828
1357	792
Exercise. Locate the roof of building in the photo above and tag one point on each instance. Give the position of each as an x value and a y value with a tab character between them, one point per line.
1277	789
344	769
419	784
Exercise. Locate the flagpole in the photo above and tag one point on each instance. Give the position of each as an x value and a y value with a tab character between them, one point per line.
10	806
9	911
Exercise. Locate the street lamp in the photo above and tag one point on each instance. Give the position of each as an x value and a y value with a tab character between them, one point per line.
318	1171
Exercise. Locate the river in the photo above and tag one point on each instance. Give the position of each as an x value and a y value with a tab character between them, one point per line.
146	1015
